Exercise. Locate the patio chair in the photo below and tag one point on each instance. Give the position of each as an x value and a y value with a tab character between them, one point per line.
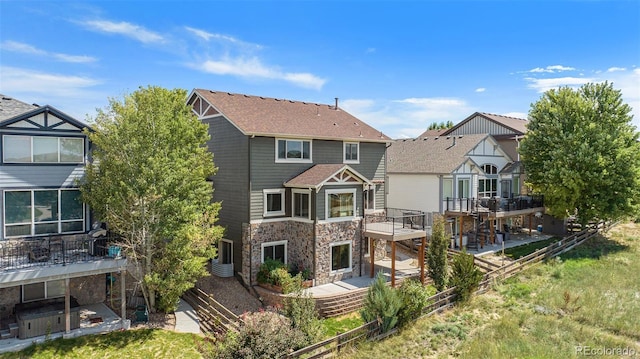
141	315
38	254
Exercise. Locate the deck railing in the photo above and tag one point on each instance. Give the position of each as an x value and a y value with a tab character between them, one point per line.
394	219
45	251
493	204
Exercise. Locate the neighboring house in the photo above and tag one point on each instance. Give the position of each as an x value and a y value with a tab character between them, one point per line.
46	257
507	131
456	176
295	180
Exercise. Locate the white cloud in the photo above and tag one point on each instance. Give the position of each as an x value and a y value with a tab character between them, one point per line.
21	47
21	80
542	85
481	89
614	69
552	69
253	67
407	118
521	115
133	31
208	36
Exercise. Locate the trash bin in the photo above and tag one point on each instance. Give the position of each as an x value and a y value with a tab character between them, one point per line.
539	228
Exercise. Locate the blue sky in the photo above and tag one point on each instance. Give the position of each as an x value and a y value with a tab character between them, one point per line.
397	65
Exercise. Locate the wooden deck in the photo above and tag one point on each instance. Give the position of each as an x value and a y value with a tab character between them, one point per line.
391	231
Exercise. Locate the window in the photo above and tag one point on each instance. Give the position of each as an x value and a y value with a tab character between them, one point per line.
301	203
28	213
225	251
42	149
341	204
490	169
341	257
273	202
487	187
43	290
293	151
463	188
275	251
447	188
369	199
351	150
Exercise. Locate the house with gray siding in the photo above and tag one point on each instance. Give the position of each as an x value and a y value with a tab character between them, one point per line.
295	180
47	259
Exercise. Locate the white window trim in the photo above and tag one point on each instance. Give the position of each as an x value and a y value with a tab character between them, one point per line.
220	249
344	152
327	202
294	160
373	191
265	193
344	270
58	138
269	244
293	202
32	223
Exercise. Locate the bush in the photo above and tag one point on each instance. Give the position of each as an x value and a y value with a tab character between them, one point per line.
300	308
264	335
414	297
437	255
264	273
382	304
466	277
275	272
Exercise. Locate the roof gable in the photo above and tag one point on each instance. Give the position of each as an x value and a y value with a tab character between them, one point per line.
509	125
324	174
10	107
264	116
44	118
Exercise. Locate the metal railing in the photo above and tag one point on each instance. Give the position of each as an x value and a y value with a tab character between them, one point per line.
54	250
394	219
493	204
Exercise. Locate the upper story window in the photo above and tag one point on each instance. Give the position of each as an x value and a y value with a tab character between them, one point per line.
490	169
273	202
341	204
351	152
40	212
301	203
42	149
293	150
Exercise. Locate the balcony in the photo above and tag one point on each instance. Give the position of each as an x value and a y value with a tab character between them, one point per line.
397	224
495	206
31	259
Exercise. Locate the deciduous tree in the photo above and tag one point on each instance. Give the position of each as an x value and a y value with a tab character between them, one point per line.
149	183
582	152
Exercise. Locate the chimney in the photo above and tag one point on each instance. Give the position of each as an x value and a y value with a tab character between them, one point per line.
336	104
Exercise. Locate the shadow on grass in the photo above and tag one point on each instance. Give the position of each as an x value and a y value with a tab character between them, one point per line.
526	249
110	342
595	248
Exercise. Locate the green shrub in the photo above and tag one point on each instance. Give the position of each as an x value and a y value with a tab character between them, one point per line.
264	273
465	277
264	335
300	308
437	255
414	297
382	304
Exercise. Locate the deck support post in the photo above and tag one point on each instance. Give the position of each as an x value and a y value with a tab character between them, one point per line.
67	306
461	223
393	264
372	254
123	297
493	232
530	223
421	258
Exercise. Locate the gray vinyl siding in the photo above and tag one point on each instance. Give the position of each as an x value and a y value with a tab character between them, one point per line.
40	176
480	124
231	183
267	174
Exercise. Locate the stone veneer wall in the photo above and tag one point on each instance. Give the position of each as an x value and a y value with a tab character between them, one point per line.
8	298
332	232
299	237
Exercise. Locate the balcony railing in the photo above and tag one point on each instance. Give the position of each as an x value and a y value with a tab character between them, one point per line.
395	220
494	204
54	250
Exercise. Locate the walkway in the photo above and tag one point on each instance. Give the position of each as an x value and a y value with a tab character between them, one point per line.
186	319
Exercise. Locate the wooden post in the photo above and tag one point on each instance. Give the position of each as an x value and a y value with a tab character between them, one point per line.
123	297
393	264
421	260
493	232
461	222
530	223
67	306
372	254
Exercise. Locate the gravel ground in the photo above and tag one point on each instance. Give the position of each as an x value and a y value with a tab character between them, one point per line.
230	293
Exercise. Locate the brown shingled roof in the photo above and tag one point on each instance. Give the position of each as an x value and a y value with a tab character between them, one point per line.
264	116
317	175
430	154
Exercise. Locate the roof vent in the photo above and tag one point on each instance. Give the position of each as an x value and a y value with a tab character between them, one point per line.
336	104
